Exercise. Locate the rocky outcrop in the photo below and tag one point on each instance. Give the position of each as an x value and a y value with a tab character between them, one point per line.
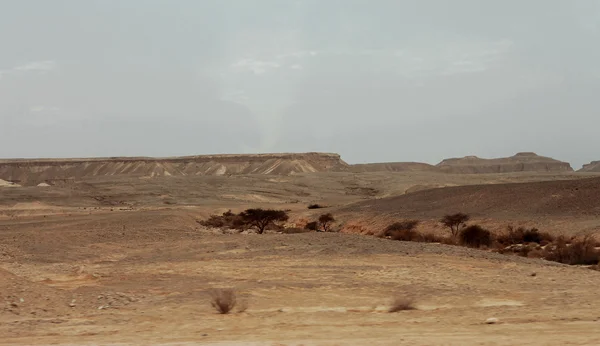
593	166
32	172
521	162
392	167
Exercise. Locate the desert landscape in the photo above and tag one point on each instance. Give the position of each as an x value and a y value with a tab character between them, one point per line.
139	251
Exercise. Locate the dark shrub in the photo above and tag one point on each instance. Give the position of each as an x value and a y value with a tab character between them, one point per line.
227	220
326	221
475	236
312	226
578	252
294	230
403	230
316	206
432	238
222	300
523	235
406	235
401	226
401	304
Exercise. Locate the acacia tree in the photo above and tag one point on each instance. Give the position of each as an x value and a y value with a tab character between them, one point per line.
261	218
325	221
455	222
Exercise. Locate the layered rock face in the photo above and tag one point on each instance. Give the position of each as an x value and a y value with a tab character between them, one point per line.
521	162
593	166
38	170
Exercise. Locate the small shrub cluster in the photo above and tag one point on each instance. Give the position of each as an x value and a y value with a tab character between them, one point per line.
523	235
580	251
316	206
526	242
406	231
227	220
324	223
294	230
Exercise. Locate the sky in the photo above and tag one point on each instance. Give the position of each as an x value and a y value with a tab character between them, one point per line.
372	80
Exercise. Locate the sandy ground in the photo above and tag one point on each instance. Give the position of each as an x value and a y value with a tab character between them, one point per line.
101	264
89	283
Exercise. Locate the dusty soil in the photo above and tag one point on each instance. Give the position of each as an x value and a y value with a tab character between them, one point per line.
124	262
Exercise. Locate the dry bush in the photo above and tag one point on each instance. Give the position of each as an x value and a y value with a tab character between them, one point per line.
402	304
227	220
312	226
475	236
432	238
406	235
449	241
316	206
524	235
536	253
326	221
223	300
582	251
295	230
523	250
403	230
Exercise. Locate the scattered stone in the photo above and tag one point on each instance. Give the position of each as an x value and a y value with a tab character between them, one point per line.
491	320
533	274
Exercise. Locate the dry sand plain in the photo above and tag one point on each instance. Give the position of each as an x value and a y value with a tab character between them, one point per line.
122	261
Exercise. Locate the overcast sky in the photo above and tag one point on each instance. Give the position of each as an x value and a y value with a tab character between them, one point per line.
373	80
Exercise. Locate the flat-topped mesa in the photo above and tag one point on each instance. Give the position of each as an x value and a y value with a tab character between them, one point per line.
32	171
521	162
593	166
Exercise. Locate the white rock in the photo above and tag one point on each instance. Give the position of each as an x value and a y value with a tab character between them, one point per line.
491	320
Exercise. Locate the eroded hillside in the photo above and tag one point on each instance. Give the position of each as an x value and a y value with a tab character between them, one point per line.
31	172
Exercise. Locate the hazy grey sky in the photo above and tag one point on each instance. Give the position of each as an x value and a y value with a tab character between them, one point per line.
374	80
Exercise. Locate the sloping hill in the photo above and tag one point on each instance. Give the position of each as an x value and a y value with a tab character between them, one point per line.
593	166
35	171
521	162
568	198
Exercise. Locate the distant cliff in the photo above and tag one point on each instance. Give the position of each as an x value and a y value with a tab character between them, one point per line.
521	162
38	170
392	167
593	166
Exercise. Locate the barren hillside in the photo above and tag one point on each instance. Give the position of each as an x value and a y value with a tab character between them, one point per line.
521	162
31	172
568	198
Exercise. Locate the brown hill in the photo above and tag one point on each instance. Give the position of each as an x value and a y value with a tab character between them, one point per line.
521	162
38	170
392	167
593	166
570	198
